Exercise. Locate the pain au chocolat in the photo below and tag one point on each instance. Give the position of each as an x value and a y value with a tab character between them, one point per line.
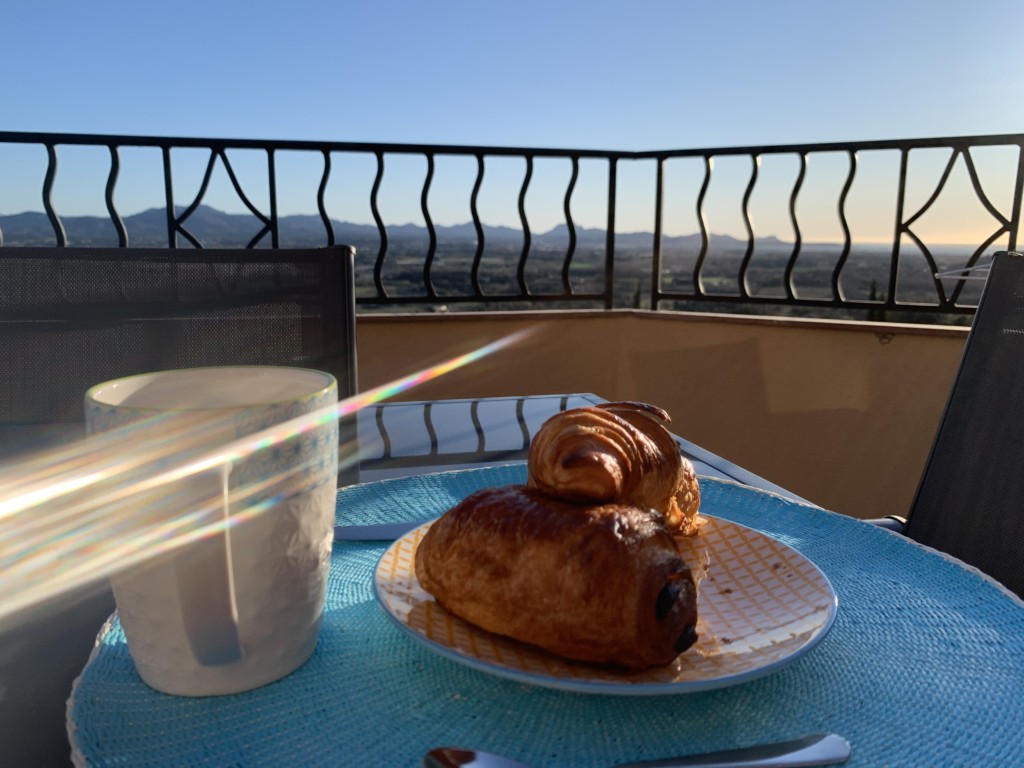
582	560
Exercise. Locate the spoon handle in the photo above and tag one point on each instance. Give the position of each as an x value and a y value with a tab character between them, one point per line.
819	749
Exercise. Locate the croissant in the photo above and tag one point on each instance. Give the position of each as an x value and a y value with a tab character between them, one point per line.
616	452
598	583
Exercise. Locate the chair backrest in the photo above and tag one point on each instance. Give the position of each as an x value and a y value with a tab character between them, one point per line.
970	502
73	317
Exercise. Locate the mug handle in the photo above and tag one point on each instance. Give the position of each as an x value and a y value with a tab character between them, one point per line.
206	583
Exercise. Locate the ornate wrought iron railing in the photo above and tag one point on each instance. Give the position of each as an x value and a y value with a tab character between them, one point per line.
938	291
893	276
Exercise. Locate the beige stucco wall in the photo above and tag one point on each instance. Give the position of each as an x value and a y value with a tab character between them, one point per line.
840	413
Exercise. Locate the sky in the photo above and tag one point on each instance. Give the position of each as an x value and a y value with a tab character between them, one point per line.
637	75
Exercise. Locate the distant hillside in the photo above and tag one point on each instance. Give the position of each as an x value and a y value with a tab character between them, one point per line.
217	228
865	273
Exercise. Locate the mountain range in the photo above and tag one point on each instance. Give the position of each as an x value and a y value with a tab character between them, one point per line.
217	228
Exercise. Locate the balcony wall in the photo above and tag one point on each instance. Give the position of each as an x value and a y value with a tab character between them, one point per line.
840	413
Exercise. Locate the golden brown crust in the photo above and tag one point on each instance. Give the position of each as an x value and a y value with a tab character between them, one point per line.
600	583
617	452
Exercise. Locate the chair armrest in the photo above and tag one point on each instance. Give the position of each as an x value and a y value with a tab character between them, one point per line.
891	522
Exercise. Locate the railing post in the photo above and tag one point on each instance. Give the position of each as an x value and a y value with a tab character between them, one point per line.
51	212
1018	194
428	261
108	196
656	251
320	204
172	240
272	184
609	248
901	193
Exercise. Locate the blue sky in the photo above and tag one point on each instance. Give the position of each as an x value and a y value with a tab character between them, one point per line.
643	74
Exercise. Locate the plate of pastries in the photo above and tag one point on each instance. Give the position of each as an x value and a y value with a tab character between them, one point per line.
600	574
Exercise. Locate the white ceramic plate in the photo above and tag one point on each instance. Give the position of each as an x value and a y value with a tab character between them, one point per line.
761	605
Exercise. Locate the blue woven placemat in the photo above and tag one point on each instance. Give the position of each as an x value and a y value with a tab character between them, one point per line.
922	667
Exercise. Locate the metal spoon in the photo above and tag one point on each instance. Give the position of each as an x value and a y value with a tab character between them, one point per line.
818	749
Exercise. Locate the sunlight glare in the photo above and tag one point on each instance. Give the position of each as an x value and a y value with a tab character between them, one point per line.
115	500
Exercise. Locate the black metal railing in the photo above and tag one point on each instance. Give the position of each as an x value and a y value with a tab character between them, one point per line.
571	265
880	292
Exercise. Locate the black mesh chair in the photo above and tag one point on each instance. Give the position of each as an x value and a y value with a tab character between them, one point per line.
970	501
73	317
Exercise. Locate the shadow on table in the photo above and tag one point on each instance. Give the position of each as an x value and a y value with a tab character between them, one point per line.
40	656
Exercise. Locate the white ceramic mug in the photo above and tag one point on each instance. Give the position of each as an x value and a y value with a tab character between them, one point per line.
233	596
